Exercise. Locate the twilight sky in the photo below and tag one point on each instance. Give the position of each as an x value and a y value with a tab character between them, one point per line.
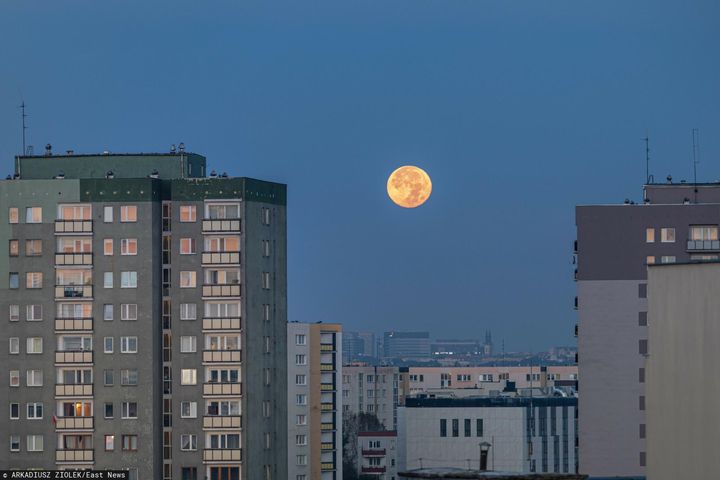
518	110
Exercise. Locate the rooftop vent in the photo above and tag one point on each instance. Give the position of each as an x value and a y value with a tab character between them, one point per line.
60	175
669	179
9	177
154	174
213	174
172	148
106	152
109	174
70	152
224	175
181	147
48	150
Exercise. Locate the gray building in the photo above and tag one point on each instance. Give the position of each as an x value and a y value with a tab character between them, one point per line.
146	318
377	390
615	243
682	371
358	346
406	345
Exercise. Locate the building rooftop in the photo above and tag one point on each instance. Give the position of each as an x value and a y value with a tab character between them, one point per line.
458	473
488	401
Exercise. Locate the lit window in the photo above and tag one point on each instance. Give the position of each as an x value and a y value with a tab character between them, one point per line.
128	311
108	246
650	259
704	232
33	280
33	248
188	376
13	215
128	213
109	443
14	378
128	246
74	212
650	235
108	214
14	248
667	235
33	215
187	246
128	280
188	213
187	279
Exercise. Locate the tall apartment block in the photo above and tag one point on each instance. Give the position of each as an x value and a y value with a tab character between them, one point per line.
144	310
314	402
615	243
377	390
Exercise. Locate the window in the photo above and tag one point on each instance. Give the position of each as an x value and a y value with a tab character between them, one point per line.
667	235
33	280
129	443
266	280
14	411
641	401
667	259
300	380
34	345
188	376
14	347
704	232
188	213
14	313
14	378
187	279
443	427
108	280
109	443
128	311
187	246
642	319
265	214
128	246
468	427
74	212
266	341
108	311
34	411
128	344
650	235
109	410
222	309
33	248
301	399
13	215
129	377
455	427
14	248
189	473
188	409
108	214
641	375
34	443
108	246
301	459
642	290
128	279
479	427
34	378
33	313
108	345
300	359
188	442
266	248
188	344
266	312
33	215
128	213
301	420
74	244
226	243
266	408
650	259
223	408
300	339
643	347
220	211
129	410
188	311
14	280
15	440
108	378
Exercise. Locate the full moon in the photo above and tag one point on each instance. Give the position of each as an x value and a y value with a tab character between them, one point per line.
409	186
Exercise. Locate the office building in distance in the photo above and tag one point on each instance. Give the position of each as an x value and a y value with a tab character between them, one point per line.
407	345
145	313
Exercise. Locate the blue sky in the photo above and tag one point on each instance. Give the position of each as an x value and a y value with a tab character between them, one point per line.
517	110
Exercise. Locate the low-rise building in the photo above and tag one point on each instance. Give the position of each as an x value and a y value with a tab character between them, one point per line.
377	455
420	379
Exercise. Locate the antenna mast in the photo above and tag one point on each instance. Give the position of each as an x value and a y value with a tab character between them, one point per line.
695	155
24	127
647	159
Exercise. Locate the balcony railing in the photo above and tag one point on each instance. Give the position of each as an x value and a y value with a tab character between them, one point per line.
73	259
232	290
227	323
327	387
86	455
222	356
73	291
222	455
327	407
372	469
74	390
222	388
327	367
75	423
73	324
73	226
220	258
325	347
327	426
232	225
85	356
373	452
704	245
327	466
327	446
218	421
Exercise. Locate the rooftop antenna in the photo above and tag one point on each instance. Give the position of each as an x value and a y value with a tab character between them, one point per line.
695	156
647	159
24	127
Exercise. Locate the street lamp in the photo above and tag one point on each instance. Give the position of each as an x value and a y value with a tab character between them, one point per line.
484	449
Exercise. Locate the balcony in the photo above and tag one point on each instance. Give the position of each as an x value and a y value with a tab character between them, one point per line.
221	258
703	245
74	390
327	407
373	452
85	356
222	356
75	423
228	421
327	427
372	469
212	226
232	290
222	455
64	259
327	387
327	347
73	226
87	455
327	367
327	446
73	291
227	323
327	466
233	389
73	324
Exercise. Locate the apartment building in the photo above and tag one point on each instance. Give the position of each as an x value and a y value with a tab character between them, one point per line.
314	401
145	318
377	455
420	379
615	243
373	389
521	434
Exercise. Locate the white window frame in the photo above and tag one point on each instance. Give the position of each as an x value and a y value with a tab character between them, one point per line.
185	309
125	411
191	439
31	411
34	378
108	344
125	244
188	241
188	279
30	216
128	312
108	214
192	409
128	279
34	345
188	376
192	347
35	443
125	213
126	344
108	280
